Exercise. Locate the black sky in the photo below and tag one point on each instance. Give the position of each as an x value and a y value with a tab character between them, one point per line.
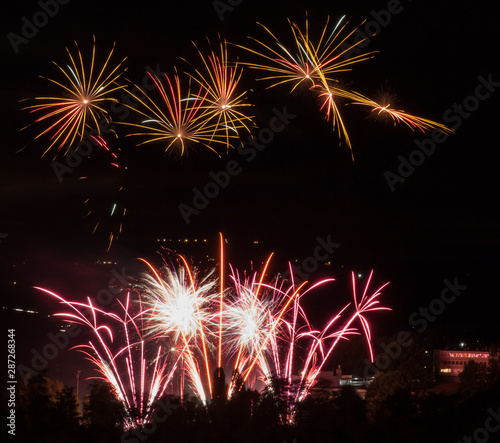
442	222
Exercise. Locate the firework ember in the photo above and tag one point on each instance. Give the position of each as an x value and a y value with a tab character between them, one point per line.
84	90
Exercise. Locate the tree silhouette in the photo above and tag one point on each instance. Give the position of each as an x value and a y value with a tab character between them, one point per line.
103	413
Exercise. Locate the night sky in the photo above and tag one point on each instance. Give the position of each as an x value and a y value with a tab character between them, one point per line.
441	222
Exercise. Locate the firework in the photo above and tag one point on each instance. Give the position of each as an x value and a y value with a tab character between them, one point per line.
367	303
84	89
180	308
291	330
317	65
178	117
248	322
258	329
138	372
219	82
399	116
307	63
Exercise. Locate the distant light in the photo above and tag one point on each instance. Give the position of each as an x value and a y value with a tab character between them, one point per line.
462	344
24	310
359	276
256	242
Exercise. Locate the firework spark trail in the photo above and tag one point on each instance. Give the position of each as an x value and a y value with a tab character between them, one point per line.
399	116
248	319
315	64
181	307
264	329
318	64
272	330
177	118
295	335
312	63
366	304
220	80
102	143
200	325
68	117
320	345
107	211
136	398
221	302
249	306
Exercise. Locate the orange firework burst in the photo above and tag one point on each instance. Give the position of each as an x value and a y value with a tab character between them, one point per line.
399	116
307	62
177	117
219	81
317	65
79	107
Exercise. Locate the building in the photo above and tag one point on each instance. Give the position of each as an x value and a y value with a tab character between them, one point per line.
329	383
449	363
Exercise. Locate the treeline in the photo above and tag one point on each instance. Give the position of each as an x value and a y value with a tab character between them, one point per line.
395	409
